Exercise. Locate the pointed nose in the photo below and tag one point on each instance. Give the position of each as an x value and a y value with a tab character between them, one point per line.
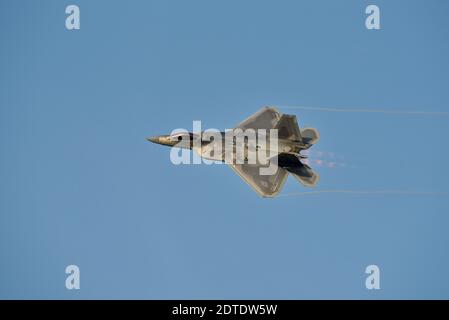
153	139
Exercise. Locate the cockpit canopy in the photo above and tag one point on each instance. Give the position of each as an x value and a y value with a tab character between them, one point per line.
182	136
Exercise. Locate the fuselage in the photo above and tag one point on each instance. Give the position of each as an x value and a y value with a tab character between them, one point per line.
263	149
215	148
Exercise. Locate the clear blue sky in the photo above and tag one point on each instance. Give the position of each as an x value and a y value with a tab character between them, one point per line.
80	185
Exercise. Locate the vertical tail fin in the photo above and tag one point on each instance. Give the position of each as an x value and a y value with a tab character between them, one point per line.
288	128
302	172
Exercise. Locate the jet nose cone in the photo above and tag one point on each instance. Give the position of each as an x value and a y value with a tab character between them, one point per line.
153	139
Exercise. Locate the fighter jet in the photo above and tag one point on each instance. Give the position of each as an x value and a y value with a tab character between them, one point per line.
291	140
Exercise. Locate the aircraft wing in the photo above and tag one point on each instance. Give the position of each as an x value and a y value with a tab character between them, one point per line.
264	185
265	118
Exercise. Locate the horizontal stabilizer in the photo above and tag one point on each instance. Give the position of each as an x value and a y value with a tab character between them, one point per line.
310	135
306	176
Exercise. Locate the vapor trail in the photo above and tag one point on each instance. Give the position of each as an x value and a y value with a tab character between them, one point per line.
367	192
364	110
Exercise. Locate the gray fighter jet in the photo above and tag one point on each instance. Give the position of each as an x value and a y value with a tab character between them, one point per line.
291	140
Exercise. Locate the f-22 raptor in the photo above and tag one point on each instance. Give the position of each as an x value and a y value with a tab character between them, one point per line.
291	140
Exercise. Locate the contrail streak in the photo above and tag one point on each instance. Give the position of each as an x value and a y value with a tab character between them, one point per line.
367	192
363	110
